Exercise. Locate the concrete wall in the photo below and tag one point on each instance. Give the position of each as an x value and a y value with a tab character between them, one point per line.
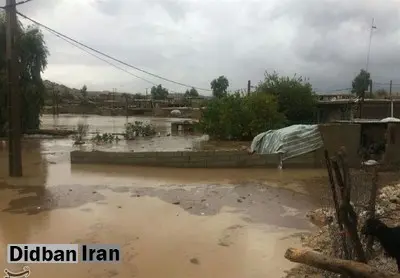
313	159
372	109
201	159
336	136
392	153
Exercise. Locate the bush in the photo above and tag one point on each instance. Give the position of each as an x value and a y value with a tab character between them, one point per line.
138	129
81	132
105	138
237	117
295	97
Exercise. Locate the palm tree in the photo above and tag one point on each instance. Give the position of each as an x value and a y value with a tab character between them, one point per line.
32	55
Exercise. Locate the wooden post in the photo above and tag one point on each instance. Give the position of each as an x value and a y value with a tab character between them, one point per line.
336	204
14	112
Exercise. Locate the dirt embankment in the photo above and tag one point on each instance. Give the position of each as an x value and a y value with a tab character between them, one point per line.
327	240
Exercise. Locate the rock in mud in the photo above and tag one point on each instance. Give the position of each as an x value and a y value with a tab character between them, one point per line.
194	261
321	217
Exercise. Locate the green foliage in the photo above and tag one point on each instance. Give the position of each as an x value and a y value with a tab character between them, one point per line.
139	96
105	138
237	117
191	93
220	86
278	101
138	129
296	99
360	83
32	54
159	92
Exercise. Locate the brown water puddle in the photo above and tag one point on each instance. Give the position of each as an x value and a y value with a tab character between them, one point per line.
169	222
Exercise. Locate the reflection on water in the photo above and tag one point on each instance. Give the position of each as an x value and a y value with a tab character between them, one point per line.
169	222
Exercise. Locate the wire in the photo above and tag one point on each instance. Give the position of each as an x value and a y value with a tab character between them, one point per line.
106	61
110	57
16	4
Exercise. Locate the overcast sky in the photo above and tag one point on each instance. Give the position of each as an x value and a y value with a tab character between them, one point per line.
194	41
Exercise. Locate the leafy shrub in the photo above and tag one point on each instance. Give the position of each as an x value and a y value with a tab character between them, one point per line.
237	117
105	138
294	95
138	129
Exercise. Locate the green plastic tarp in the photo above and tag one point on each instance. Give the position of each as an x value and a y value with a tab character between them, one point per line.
290	141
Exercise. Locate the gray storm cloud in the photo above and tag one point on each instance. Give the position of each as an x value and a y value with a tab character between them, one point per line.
195	41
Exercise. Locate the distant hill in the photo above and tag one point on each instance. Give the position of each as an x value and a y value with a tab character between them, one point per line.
63	90
73	93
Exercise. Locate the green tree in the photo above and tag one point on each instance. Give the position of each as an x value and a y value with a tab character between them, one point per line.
219	86
84	93
138	96
237	117
32	55
191	93
360	83
159	92
295	97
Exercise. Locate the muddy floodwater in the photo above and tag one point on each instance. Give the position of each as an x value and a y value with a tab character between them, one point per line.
169	222
103	124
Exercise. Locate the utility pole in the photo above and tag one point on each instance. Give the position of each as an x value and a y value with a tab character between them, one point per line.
248	87
370	88
53	91
367	67
391	99
14	113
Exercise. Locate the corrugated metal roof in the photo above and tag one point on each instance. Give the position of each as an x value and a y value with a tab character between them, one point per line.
371	121
290	141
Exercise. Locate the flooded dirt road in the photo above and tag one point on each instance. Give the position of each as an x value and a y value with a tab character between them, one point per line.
169	222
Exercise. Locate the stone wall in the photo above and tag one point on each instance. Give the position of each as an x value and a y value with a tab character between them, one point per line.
188	159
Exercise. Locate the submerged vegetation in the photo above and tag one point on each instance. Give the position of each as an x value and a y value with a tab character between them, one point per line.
138	129
81	133
105	138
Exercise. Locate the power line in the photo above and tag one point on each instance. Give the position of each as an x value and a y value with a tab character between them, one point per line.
16	4
110	57
106	61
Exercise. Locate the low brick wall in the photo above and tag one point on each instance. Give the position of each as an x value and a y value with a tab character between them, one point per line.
200	159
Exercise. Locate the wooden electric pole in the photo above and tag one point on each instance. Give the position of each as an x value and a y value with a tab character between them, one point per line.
391	99
248	87
14	112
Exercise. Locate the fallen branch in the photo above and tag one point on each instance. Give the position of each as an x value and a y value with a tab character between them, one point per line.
345	267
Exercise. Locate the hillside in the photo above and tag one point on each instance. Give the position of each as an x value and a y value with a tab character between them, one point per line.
71	92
